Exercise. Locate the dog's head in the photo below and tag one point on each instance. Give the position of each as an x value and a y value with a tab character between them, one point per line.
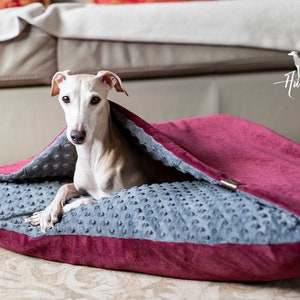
84	101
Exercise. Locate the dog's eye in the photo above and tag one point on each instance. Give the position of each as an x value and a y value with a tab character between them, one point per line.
95	100
65	99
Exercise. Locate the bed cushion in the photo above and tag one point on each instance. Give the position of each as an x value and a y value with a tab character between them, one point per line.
210	228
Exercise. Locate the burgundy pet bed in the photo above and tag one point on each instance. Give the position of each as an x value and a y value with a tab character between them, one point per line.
238	220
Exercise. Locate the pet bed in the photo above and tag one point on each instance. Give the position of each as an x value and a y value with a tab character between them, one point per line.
238	220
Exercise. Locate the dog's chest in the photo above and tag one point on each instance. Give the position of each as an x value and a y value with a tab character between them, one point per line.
98	184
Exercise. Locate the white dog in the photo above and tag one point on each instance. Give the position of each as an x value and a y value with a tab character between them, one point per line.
106	162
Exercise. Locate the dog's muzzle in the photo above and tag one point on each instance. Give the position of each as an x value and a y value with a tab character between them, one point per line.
78	137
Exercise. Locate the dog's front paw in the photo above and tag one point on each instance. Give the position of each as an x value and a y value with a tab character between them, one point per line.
34	219
46	218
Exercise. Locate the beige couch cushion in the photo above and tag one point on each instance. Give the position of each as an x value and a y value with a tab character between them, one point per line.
144	60
29	58
271	24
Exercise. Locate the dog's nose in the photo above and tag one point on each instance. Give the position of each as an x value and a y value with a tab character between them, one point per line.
78	137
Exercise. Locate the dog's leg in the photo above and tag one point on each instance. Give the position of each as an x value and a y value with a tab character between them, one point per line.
76	203
48	217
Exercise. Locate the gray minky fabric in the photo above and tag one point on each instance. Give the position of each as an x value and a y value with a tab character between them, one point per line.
56	161
195	212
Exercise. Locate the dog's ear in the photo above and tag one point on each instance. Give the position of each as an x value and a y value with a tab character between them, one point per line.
57	79
110	80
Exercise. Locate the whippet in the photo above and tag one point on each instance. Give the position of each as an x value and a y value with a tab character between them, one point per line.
107	162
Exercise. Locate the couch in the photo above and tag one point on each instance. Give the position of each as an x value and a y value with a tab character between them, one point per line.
176	60
171	72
